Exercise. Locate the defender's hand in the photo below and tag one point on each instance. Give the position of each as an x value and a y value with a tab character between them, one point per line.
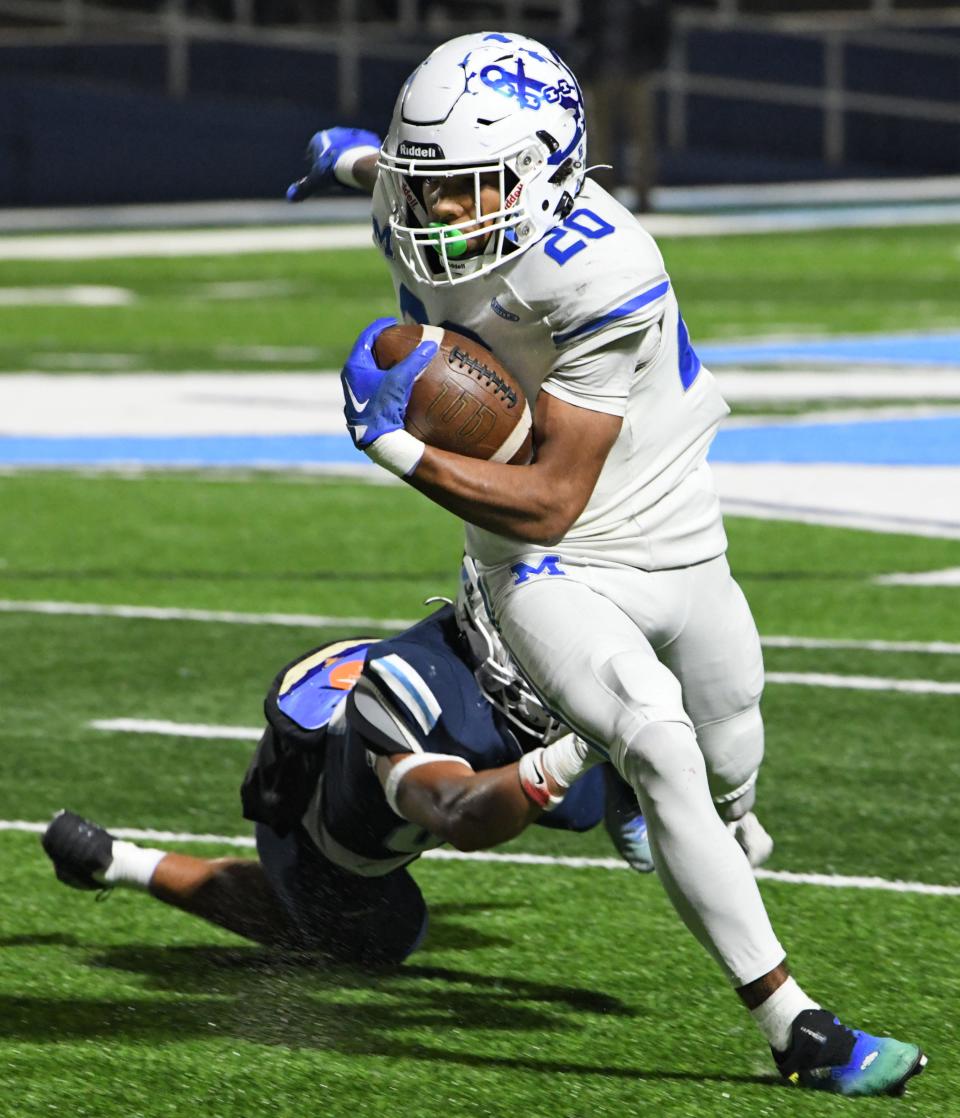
376	399
331	155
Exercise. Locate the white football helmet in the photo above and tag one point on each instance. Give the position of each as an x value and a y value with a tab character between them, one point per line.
483	104
497	674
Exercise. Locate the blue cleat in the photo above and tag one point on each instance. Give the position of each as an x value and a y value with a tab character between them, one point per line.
827	1056
625	823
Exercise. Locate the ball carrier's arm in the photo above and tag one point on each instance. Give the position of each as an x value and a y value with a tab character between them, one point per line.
539	502
538	505
365	172
347	156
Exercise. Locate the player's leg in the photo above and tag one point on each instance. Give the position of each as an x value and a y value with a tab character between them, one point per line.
594	665
232	893
585	655
715	653
717	657
366	921
292	898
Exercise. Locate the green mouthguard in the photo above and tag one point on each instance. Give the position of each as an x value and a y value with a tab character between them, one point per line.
450	237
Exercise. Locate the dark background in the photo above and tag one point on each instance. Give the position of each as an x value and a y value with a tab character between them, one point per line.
141	101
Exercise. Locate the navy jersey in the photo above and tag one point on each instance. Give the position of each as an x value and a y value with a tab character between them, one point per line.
414	692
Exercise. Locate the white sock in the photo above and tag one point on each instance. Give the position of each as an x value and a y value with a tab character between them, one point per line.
776	1015
132	865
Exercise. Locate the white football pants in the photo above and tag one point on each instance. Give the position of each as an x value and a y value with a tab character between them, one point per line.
635	661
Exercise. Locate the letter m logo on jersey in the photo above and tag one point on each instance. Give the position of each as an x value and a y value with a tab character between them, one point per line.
549	565
383	238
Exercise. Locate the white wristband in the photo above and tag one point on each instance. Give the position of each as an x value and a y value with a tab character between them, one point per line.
568	759
343	168
397	451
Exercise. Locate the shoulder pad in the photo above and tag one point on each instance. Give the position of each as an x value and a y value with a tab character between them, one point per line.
597	270
371	714
309	690
393	706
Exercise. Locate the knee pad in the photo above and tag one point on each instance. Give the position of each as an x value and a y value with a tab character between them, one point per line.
733	751
659	755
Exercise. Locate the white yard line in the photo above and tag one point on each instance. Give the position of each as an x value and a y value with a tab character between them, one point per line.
839	881
135	405
918	500
225	617
852	518
312	620
199	242
893	411
864	683
948	577
856	381
834	881
260	410
201	730
938	648
138	834
75	295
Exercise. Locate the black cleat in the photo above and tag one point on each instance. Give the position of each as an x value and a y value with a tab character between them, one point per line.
78	849
827	1056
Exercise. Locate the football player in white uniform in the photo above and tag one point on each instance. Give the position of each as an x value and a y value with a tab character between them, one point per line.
602	561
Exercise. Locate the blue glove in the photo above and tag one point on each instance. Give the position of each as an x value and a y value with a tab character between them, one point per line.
323	152
376	399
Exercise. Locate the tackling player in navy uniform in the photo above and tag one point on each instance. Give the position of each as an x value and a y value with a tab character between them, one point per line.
602	560
374	751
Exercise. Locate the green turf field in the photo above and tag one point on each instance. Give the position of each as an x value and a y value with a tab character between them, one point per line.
541	990
546	989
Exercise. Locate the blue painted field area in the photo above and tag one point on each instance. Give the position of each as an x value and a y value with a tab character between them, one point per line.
896	349
928	441
933	441
213	451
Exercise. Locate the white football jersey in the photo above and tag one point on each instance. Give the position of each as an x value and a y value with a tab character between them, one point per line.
589	315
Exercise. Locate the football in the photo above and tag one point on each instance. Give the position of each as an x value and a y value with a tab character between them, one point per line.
464	401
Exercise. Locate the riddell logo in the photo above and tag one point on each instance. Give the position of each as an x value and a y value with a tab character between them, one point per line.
513	197
406	149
